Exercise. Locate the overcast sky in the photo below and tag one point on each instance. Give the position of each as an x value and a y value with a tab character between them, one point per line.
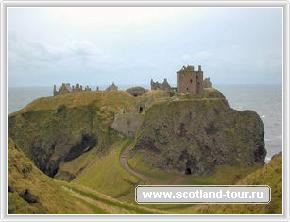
96	46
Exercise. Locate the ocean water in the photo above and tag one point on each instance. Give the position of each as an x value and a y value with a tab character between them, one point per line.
266	100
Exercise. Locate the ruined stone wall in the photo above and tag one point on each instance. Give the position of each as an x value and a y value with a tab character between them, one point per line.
160	86
187	82
190	82
207	83
199	81
127	123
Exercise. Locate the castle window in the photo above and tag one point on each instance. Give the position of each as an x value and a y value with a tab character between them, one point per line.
186	89
191	81
141	109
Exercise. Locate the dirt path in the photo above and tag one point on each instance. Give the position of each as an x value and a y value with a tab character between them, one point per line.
124	163
99	204
123	160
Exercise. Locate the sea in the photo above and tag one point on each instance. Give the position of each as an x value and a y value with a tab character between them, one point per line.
266	100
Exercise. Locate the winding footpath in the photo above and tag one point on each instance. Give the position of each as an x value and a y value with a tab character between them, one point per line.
123	160
124	163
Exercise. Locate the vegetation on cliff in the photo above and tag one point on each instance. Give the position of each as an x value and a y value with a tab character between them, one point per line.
193	135
58	129
73	137
30	191
270	174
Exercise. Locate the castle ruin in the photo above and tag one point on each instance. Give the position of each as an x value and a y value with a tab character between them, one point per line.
189	80
207	83
112	87
160	86
67	88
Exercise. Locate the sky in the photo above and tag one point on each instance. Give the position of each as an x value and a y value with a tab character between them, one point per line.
131	45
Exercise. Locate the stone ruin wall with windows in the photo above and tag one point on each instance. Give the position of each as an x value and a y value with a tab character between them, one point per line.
189	80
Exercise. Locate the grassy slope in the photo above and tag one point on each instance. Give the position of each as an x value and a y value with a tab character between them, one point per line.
42	123
107	102
99	106
57	197
78	198
113	99
270	174
224	174
24	175
106	175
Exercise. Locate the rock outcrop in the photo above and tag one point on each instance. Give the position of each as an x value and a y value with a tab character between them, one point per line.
58	129
127	123
190	133
50	137
193	135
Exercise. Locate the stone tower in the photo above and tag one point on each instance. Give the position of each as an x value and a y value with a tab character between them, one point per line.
189	80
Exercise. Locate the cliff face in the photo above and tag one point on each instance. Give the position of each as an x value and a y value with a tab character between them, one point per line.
58	129
127	123
190	133
30	191
50	137
193	135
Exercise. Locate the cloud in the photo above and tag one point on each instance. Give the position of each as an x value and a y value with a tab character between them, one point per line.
44	53
125	44
86	48
22	50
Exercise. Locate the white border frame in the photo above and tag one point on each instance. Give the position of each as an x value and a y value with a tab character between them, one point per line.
138	217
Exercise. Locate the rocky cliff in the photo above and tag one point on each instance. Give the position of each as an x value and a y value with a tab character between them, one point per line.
193	135
58	129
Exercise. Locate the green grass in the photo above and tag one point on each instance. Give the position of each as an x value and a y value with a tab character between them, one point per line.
55	196
102	184
112	100
106	174
24	175
20	206
271	175
126	207
224	174
75	166
80	198
155	175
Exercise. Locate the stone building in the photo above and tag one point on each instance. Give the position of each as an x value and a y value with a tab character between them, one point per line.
63	89
67	88
207	83
189	80
160	86
88	88
112	87
78	88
